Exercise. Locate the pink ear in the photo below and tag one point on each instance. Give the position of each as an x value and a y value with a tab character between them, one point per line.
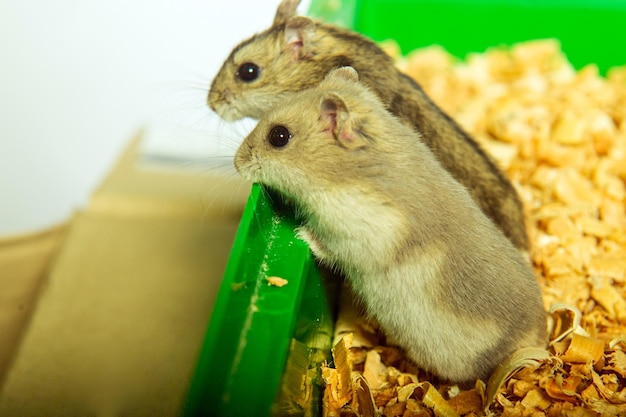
299	31
329	116
335	118
294	42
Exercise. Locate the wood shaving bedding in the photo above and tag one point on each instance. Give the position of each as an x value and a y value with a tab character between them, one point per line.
560	136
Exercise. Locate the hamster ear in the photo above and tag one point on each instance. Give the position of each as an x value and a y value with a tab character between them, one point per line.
337	121
344	73
299	32
286	9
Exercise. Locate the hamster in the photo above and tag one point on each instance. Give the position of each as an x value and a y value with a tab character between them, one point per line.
429	267
296	53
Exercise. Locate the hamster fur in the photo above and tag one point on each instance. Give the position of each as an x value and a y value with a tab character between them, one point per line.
296	53
429	267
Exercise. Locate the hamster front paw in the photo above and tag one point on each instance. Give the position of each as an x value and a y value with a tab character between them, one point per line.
304	234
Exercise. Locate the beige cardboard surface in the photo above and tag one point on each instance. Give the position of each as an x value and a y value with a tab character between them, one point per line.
24	261
119	320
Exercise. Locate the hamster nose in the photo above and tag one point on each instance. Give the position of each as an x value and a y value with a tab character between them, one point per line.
227	95
217	98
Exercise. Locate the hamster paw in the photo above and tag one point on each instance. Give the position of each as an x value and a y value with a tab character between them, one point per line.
304	234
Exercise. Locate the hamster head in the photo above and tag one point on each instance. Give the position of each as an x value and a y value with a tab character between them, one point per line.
304	141
268	67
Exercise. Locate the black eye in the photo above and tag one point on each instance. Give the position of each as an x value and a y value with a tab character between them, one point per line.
279	136
248	71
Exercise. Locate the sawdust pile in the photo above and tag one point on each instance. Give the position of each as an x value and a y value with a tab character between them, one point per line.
560	135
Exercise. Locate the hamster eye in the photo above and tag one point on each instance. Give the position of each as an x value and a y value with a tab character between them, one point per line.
279	136
248	71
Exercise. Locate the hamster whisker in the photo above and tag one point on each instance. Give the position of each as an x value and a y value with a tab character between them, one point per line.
208	201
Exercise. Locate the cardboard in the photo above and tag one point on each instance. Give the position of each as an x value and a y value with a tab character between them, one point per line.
120	318
24	261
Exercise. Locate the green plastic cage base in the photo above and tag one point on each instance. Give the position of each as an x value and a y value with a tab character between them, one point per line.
264	344
258	330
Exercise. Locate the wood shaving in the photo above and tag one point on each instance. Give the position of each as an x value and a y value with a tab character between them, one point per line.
277	281
560	136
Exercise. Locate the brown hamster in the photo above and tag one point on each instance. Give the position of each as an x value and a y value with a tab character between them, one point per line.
429	267
296	53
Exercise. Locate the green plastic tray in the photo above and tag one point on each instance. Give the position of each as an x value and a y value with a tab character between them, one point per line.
264	344
256	330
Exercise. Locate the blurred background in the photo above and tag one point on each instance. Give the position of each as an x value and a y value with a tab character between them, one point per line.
80	78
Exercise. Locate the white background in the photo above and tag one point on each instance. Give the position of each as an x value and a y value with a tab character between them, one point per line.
78	78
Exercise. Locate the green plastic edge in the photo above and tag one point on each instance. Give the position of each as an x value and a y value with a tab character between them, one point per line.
254	326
